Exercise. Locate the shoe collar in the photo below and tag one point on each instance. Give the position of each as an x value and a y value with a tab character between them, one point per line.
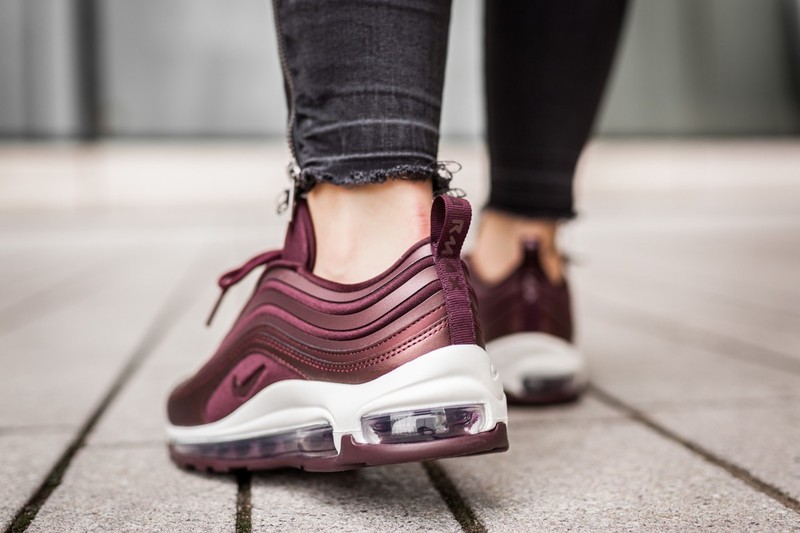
300	245
299	248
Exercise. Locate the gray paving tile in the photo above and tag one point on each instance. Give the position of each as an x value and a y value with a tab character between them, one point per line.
584	410
394	498
136	488
751	325
25	272
138	414
56	369
750	256
608	476
28	456
649	370
726	276
764	440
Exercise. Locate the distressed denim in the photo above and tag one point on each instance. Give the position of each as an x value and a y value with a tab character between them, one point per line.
364	78
364	85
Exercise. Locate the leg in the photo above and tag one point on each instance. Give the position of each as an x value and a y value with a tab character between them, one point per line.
546	66
340	360
365	98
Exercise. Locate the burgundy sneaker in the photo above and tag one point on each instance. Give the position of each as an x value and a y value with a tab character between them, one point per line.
527	324
324	376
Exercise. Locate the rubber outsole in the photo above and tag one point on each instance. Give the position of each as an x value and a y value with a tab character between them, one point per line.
354	455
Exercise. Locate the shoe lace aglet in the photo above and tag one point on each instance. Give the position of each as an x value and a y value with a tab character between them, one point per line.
216	306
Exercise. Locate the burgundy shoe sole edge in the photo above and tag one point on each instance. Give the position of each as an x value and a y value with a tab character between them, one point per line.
354	455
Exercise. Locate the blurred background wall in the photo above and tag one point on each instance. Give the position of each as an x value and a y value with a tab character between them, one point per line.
210	68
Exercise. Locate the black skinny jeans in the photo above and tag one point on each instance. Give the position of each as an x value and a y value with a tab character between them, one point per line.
364	85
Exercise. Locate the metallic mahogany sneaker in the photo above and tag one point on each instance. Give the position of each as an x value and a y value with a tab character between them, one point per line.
527	324
324	376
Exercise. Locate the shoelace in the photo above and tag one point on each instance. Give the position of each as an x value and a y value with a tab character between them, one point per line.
232	277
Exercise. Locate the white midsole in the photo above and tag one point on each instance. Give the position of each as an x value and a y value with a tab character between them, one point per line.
455	375
521	356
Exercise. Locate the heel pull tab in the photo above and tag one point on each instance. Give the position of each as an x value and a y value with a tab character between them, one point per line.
531	250
450	218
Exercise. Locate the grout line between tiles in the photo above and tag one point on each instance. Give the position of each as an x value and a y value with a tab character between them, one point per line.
733	469
244	502
457	504
706	339
174	305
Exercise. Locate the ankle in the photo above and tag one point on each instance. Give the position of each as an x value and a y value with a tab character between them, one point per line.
362	230
498	250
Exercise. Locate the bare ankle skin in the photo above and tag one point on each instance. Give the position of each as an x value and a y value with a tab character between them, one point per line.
498	249
362	230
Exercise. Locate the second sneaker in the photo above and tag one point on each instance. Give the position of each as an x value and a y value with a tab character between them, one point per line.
527	323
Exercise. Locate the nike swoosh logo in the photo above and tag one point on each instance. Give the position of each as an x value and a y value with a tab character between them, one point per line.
242	388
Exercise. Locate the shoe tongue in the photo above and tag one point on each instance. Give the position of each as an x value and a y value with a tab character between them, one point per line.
299	245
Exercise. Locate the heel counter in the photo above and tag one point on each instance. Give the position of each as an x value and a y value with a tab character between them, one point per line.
473	298
545	307
531	282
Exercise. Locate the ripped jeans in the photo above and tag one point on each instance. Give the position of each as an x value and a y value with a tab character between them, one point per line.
364	83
